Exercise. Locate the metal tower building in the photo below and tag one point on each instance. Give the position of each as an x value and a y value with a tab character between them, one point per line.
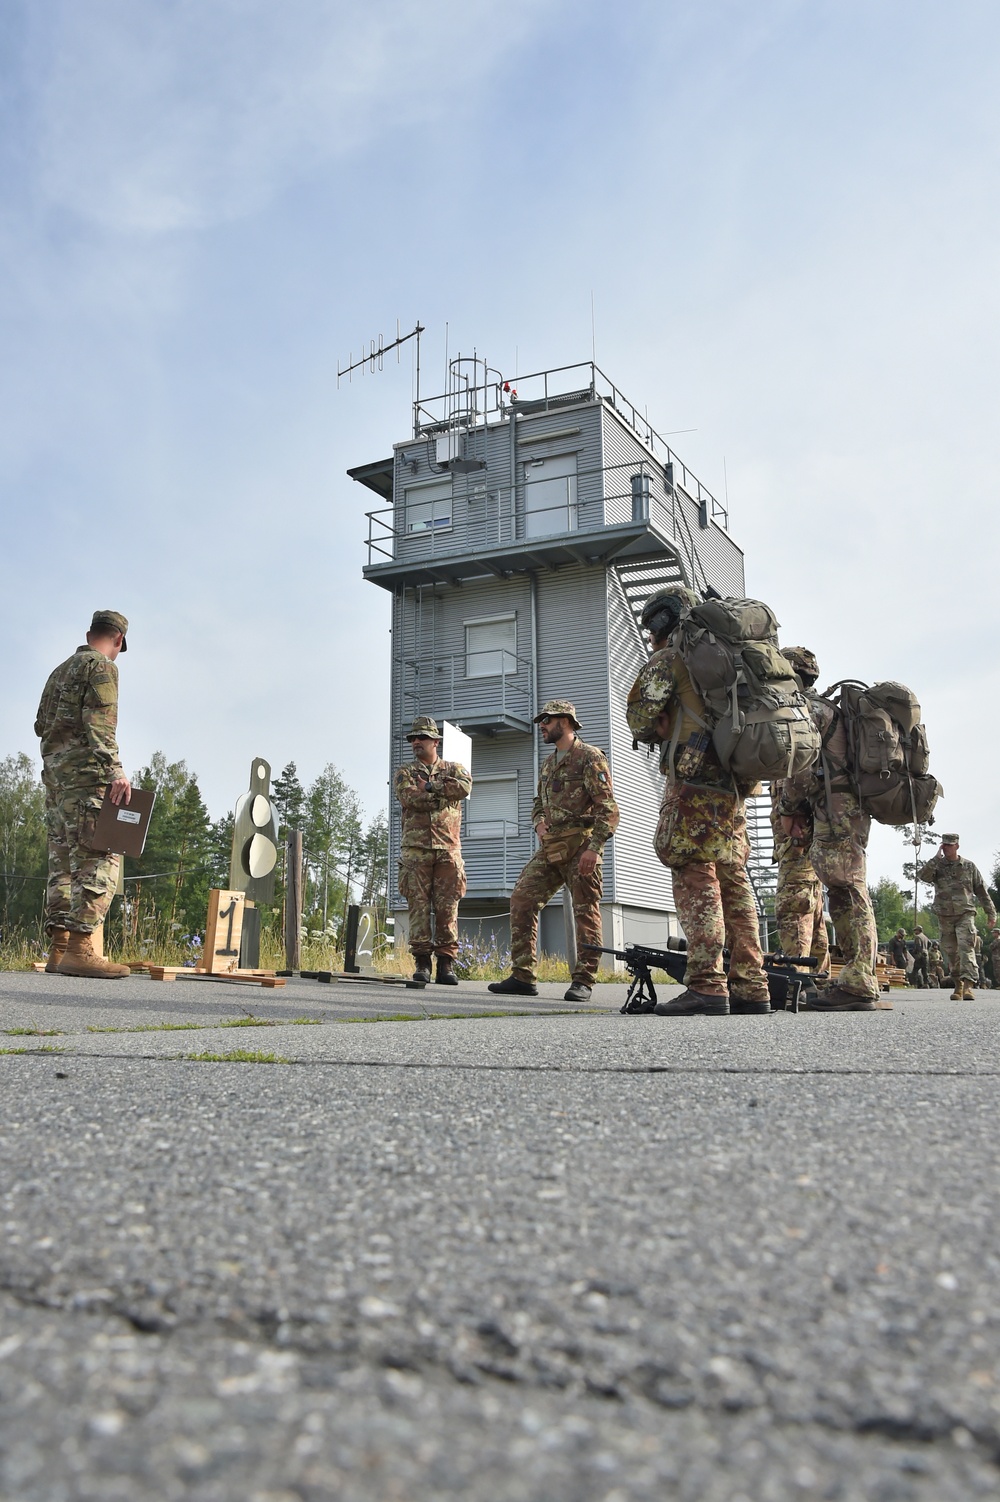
519	534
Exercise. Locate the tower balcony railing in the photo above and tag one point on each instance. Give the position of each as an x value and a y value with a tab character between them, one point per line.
480	691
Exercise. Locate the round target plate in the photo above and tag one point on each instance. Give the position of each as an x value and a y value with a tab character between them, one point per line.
259	856
260	811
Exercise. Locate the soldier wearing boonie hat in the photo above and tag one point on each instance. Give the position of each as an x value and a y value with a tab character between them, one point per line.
958	889
77	720
431	870
574	813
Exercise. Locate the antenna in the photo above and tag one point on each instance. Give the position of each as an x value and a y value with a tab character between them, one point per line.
372	358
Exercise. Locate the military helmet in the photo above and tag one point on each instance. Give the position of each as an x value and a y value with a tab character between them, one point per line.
424	725
803	661
106	621
559	707
672	600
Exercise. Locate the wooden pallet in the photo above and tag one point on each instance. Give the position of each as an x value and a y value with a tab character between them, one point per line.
265	978
889	977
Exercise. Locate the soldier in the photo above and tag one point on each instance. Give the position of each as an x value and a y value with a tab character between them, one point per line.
824	796
921	950
993	945
898	951
979	960
76	723
431	872
574	814
798	898
935	965
701	834
957	886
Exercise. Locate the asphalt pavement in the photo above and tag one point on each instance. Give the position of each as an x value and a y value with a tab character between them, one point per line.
552	1255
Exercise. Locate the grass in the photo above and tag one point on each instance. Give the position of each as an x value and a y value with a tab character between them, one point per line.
185	1027
237	1056
45	1048
34	1032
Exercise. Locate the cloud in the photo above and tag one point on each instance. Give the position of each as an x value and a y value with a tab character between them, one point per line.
164	116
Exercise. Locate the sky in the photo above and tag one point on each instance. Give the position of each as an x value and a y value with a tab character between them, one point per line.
785	218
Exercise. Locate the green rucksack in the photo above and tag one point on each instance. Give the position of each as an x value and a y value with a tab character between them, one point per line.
887	752
758	716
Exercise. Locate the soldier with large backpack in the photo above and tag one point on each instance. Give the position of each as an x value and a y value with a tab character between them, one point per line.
701	834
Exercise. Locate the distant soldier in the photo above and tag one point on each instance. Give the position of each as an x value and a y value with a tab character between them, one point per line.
979	960
993	947
823	795
919	975
702	830
574	814
798	898
431	872
898	951
76	722
935	965
958	887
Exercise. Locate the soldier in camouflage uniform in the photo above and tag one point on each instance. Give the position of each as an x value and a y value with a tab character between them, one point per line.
935	965
921	951
823	797
702	830
76	723
993	945
574	814
958	886
431	871
798	898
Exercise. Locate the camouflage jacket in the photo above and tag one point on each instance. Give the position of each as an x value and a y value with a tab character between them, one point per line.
77	720
575	796
686	750
432	817
958	887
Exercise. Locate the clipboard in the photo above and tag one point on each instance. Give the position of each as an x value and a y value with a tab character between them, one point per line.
122	828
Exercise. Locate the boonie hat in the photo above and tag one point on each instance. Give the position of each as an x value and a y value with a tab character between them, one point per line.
559	706
424	725
110	620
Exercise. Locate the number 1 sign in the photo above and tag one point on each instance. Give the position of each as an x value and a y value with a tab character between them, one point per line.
223	931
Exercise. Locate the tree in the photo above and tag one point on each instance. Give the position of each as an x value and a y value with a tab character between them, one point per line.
23	842
331	837
173	874
288	796
888	903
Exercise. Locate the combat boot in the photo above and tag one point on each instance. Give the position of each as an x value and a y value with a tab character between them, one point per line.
513	987
694	1004
967	992
578	991
835	999
80	959
422	971
446	971
959	992
58	939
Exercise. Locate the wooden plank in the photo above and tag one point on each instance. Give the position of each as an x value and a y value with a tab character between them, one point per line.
223	931
233	978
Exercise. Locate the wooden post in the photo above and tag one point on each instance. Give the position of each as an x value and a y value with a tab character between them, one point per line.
293	902
223	931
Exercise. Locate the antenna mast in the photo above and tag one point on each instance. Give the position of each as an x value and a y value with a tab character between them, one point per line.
373	357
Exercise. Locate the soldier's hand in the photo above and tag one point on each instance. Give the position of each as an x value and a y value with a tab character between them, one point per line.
588	862
121	790
421	784
542	828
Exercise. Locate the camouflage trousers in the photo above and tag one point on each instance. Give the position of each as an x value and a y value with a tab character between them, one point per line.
702	837
837	854
958	942
432	881
798	911
918	975
540	880
81	881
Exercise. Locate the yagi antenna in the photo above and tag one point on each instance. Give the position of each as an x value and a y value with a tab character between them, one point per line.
372	358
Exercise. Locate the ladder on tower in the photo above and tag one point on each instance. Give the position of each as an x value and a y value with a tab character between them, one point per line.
642	577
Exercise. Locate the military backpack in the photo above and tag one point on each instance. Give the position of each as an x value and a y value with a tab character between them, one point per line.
887	751
758	717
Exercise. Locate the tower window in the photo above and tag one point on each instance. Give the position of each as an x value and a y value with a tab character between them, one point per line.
491	647
493	806
428	507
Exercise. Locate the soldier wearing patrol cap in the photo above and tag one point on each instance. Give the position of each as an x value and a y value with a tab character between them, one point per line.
702	830
958	887
76	722
431	870
574	813
798	898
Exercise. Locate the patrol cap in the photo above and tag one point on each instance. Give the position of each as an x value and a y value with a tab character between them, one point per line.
802	660
949	839
424	725
676	597
559	706
110	620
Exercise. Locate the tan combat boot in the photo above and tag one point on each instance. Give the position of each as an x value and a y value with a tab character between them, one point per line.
80	959
58	939
967	992
959	993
